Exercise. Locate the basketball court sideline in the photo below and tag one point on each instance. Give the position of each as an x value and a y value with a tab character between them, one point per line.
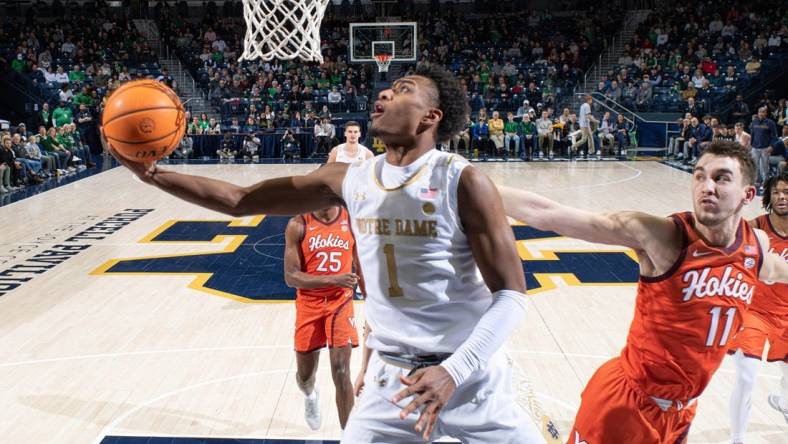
128	314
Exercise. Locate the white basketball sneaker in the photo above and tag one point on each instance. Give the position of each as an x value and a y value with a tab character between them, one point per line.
312	410
774	401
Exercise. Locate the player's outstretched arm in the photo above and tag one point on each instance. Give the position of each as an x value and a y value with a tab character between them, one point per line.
631	229
774	268
294	277
284	195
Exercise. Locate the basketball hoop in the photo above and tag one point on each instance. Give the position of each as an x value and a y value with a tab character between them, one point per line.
283	29
383	61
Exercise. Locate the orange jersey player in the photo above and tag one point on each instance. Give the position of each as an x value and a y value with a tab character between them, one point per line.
319	258
767	319
698	274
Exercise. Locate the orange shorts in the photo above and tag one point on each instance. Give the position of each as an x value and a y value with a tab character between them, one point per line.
325	321
615	410
757	328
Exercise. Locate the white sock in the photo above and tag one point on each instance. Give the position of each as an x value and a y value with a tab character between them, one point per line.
784	385
741	397
312	396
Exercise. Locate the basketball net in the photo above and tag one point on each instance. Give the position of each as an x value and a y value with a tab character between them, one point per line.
383	61
283	29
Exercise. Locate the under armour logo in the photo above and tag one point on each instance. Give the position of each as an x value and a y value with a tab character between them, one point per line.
577	438
552	430
359	195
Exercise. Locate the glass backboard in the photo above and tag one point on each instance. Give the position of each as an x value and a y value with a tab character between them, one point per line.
397	39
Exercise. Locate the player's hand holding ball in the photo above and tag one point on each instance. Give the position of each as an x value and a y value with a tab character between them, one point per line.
143	170
143	121
433	387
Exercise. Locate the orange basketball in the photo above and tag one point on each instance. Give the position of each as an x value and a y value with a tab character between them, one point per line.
143	120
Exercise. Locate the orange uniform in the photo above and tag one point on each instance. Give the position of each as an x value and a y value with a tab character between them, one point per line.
324	316
768	315
683	323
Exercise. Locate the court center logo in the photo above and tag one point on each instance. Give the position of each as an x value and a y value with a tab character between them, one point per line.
242	259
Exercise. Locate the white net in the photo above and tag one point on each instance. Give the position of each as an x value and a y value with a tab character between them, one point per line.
383	62
283	29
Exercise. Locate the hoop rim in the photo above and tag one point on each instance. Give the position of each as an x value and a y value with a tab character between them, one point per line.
383	61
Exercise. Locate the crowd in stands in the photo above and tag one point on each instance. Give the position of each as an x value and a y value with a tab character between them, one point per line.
503	60
515	66
530	134
71	65
697	56
764	132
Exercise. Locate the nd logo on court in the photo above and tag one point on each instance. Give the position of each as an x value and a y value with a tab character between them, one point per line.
242	259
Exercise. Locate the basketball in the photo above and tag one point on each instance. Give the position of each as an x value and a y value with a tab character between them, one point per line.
144	120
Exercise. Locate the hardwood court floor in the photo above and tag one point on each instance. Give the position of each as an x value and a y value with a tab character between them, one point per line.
135	321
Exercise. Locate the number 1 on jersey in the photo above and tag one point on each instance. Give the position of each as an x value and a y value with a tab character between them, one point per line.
715	323
391	264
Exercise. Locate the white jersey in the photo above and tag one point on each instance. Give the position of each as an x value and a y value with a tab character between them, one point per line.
425	293
342	155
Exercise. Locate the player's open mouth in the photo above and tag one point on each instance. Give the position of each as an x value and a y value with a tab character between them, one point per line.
376	111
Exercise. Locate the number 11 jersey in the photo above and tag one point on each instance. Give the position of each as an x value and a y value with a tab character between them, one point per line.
686	318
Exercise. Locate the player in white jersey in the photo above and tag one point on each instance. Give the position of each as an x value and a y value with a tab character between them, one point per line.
350	151
444	281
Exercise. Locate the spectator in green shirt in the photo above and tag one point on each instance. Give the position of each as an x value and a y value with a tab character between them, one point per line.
528	137
83	97
194	126
204	123
64	138
76	75
18	64
510	130
52	146
62	114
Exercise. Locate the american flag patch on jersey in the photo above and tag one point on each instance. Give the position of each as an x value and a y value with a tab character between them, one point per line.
749	249
428	193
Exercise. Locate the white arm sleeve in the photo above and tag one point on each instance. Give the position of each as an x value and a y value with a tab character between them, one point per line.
494	327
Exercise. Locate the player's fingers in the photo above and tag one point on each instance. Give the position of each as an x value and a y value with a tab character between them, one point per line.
414	387
432	420
402	394
413	405
412	379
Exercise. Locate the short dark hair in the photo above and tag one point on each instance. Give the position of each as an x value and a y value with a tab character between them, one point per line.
353	123
727	148
451	99
771	183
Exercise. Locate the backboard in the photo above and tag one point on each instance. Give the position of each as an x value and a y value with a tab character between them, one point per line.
398	39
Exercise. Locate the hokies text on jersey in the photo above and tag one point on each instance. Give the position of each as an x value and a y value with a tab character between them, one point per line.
332	241
702	285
